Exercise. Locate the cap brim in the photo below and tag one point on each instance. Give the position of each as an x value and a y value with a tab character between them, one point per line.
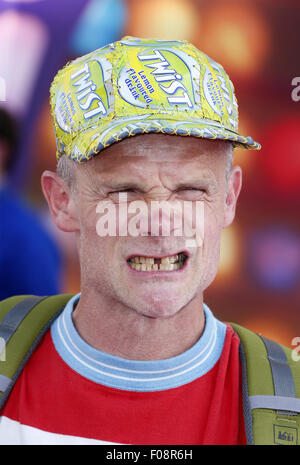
89	143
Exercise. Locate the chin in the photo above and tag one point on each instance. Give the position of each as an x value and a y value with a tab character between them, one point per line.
157	305
157	311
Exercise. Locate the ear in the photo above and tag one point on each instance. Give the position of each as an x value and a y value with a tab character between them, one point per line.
233	191
60	201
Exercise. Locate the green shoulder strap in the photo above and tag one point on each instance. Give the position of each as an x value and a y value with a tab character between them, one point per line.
23	322
271	390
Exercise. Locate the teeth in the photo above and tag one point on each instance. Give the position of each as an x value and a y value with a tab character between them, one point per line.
156	266
172	263
168	266
172	259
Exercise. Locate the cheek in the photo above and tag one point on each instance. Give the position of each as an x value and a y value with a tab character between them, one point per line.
93	247
209	253
88	230
97	261
213	221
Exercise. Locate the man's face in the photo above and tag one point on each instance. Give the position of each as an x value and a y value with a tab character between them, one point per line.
153	168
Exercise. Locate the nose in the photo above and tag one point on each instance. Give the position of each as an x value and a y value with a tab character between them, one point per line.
162	215
158	193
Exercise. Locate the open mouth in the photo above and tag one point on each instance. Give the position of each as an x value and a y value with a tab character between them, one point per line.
170	263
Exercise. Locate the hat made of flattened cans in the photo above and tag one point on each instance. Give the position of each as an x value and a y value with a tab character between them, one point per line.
137	86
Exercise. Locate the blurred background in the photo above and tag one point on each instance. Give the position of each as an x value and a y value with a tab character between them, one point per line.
258	43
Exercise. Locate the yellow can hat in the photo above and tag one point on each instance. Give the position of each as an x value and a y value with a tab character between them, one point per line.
139	86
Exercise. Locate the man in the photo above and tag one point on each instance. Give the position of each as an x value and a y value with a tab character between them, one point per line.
137	357
30	261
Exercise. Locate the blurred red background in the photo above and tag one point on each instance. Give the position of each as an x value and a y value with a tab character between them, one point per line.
258	44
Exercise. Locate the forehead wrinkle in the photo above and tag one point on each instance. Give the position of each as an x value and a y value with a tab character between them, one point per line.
154	152
153	175
159	147
130	172
115	176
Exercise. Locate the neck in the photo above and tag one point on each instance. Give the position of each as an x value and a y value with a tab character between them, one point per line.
113	328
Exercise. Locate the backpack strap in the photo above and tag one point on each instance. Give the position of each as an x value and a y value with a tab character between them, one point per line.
271	390
24	320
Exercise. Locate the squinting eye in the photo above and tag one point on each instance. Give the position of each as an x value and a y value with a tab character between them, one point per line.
120	191
121	195
190	193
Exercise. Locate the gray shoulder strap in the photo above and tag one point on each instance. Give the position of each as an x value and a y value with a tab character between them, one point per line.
8	327
284	399
16	315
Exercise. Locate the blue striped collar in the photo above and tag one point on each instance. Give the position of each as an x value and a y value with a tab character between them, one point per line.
136	375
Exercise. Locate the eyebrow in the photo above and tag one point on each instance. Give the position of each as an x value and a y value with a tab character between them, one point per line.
198	182
192	183
122	185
